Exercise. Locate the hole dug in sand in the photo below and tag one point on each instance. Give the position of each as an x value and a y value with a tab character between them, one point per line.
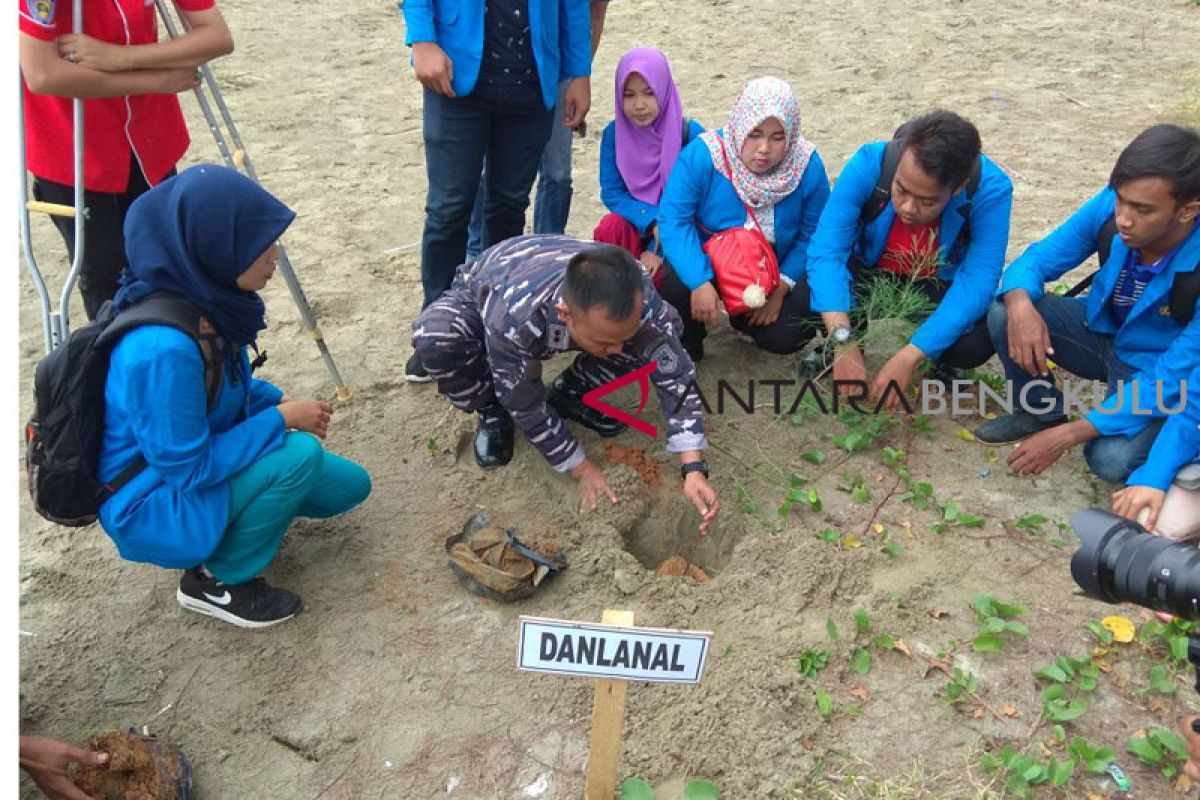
667	541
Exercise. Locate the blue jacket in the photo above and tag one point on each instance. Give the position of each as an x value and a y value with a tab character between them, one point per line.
1150	341
175	512
1177	443
615	194
698	196
561	30
972	274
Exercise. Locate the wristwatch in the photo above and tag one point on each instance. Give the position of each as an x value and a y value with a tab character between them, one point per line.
693	466
842	334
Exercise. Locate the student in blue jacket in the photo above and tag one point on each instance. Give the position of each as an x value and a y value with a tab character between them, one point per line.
1148	496
936	222
491	72
1124	331
222	483
758	160
637	152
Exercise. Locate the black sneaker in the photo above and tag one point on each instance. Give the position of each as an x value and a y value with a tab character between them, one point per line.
945	374
254	604
566	397
1013	427
493	437
414	371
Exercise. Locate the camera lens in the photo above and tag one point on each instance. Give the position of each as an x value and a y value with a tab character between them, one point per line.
1118	561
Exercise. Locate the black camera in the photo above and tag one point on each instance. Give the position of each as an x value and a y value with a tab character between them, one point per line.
1118	562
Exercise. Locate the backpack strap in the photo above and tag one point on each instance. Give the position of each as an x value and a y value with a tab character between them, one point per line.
1185	289
173	311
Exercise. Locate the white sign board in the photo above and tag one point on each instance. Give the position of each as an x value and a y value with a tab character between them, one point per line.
592	650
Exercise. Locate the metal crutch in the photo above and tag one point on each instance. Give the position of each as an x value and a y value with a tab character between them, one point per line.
55	324
240	159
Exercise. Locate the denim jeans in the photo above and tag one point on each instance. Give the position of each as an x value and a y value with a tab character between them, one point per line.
1085	354
460	134
552	204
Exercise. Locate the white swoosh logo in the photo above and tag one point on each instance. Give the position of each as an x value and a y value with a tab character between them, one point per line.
221	599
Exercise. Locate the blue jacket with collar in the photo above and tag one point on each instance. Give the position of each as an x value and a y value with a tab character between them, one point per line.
175	512
561	31
698	196
972	273
615	194
1177	443
1150	340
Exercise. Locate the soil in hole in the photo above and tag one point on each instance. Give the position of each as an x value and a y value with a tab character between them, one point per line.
667	540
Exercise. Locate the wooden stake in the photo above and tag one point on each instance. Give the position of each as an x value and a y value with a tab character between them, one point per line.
608	727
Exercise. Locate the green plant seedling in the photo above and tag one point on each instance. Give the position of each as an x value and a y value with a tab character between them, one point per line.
960	687
636	789
1089	757
1103	635
1160	747
860	661
813	456
811	662
824	704
1160	682
862	622
996	617
830	536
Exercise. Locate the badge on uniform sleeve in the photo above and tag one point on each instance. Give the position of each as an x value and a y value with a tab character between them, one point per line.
559	338
1164	311
666	356
42	11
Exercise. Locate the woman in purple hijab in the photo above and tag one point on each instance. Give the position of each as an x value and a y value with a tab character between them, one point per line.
637	152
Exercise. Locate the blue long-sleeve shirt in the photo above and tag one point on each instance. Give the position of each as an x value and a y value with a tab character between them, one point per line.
561	32
972	273
615	194
175	511
1177	443
699	201
1150	340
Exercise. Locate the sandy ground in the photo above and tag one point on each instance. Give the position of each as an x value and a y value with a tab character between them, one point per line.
396	683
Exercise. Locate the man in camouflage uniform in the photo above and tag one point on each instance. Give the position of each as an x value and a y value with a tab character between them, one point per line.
531	297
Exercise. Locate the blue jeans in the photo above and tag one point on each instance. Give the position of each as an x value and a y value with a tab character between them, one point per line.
460	133
552	204
299	479
1088	355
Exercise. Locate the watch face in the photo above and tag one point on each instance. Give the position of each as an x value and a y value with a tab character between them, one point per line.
841	335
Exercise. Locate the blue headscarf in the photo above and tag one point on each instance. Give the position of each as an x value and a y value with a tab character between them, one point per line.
194	234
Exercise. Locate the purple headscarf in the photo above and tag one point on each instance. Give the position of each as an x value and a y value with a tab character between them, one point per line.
645	155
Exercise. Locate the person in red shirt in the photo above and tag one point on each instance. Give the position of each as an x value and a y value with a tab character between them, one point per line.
134	132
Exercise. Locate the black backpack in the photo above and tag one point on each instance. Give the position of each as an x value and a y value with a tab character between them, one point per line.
882	194
64	435
1184	290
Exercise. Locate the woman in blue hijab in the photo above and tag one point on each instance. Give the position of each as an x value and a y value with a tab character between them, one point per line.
225	479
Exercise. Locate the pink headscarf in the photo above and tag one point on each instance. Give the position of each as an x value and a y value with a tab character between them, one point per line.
645	155
760	100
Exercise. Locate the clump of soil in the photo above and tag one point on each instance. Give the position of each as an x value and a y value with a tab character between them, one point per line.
634	457
678	566
138	769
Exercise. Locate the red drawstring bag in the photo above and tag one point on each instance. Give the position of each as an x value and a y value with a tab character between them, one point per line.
743	262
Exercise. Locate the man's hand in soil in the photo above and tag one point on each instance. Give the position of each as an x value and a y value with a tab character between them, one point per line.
1130	501
849	365
1041	450
1192	739
592	481
899	370
434	68
46	761
703	496
1028	337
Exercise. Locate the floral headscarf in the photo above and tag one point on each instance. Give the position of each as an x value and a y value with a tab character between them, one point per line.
760	100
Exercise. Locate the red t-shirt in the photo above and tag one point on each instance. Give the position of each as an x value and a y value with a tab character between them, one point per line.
911	248
115	128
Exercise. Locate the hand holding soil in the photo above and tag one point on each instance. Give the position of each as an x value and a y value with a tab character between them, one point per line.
46	761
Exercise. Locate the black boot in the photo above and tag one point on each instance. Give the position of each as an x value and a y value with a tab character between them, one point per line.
566	397
693	340
493	437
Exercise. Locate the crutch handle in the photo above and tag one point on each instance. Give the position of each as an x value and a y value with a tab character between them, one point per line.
53	209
